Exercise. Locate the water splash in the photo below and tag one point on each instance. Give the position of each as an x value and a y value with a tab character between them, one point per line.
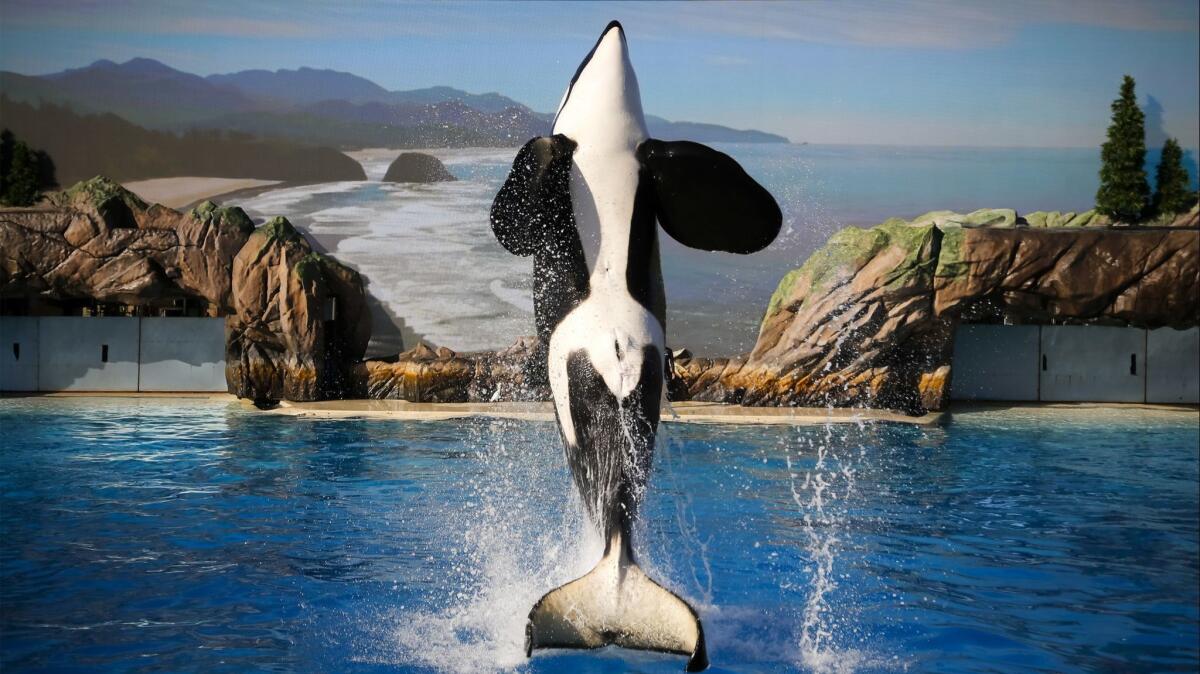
821	492
519	532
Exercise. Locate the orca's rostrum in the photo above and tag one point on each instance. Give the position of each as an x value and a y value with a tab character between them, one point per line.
585	202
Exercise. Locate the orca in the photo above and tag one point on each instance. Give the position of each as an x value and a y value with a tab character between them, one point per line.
586	203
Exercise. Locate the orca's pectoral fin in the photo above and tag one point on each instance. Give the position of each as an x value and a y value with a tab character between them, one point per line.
705	199
617	604
523	209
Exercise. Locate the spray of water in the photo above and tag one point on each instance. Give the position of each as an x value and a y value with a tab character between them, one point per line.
519	530
821	491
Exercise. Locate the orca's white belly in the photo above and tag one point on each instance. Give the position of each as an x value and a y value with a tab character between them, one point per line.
612	330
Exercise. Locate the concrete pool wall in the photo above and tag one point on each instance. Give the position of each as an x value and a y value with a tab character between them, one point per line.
83	353
1065	363
1019	363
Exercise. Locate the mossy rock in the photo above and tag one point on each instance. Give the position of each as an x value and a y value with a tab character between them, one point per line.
950	259
990	217
936	218
849	249
1092	218
310	267
96	192
1036	218
278	229
917	241
223	216
984	217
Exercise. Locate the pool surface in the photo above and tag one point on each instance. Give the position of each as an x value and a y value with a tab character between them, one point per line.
184	535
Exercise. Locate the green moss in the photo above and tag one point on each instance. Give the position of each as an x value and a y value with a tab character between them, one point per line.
950	260
984	217
1036	218
933	218
1084	219
278	229
990	217
310	267
223	216
96	191
850	247
334	264
917	242
783	290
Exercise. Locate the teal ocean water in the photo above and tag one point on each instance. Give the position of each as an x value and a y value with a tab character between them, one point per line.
431	258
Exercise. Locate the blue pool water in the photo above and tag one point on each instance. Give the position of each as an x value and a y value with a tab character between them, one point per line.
150	536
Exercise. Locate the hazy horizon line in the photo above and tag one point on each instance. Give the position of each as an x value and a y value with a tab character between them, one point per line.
497	92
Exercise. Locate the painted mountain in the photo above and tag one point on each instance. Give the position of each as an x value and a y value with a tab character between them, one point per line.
322	107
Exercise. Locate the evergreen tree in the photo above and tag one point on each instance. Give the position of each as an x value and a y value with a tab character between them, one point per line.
24	172
1123	189
46	179
7	142
1172	193
22	184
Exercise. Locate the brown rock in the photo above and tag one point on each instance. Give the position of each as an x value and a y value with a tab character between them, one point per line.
100	242
870	318
417	167
423	374
300	323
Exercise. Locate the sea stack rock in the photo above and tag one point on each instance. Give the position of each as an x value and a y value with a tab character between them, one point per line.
416	167
300	324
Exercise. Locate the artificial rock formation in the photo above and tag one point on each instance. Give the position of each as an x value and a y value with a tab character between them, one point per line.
98	241
424	374
297	322
300	322
417	167
869	319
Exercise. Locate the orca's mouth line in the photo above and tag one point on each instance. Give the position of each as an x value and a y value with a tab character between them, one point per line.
583	64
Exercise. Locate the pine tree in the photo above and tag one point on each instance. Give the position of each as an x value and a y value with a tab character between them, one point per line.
1123	189
7	142
24	172
1172	193
21	187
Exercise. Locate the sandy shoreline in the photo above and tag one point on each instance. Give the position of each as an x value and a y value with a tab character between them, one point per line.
183	191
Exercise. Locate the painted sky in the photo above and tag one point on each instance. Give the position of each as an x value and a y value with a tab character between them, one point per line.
1012	73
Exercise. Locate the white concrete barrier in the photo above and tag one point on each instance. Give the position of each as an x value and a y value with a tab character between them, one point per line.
182	354
18	353
81	353
77	353
995	362
1173	366
1093	363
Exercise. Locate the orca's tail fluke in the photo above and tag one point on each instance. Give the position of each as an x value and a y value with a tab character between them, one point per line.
617	604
